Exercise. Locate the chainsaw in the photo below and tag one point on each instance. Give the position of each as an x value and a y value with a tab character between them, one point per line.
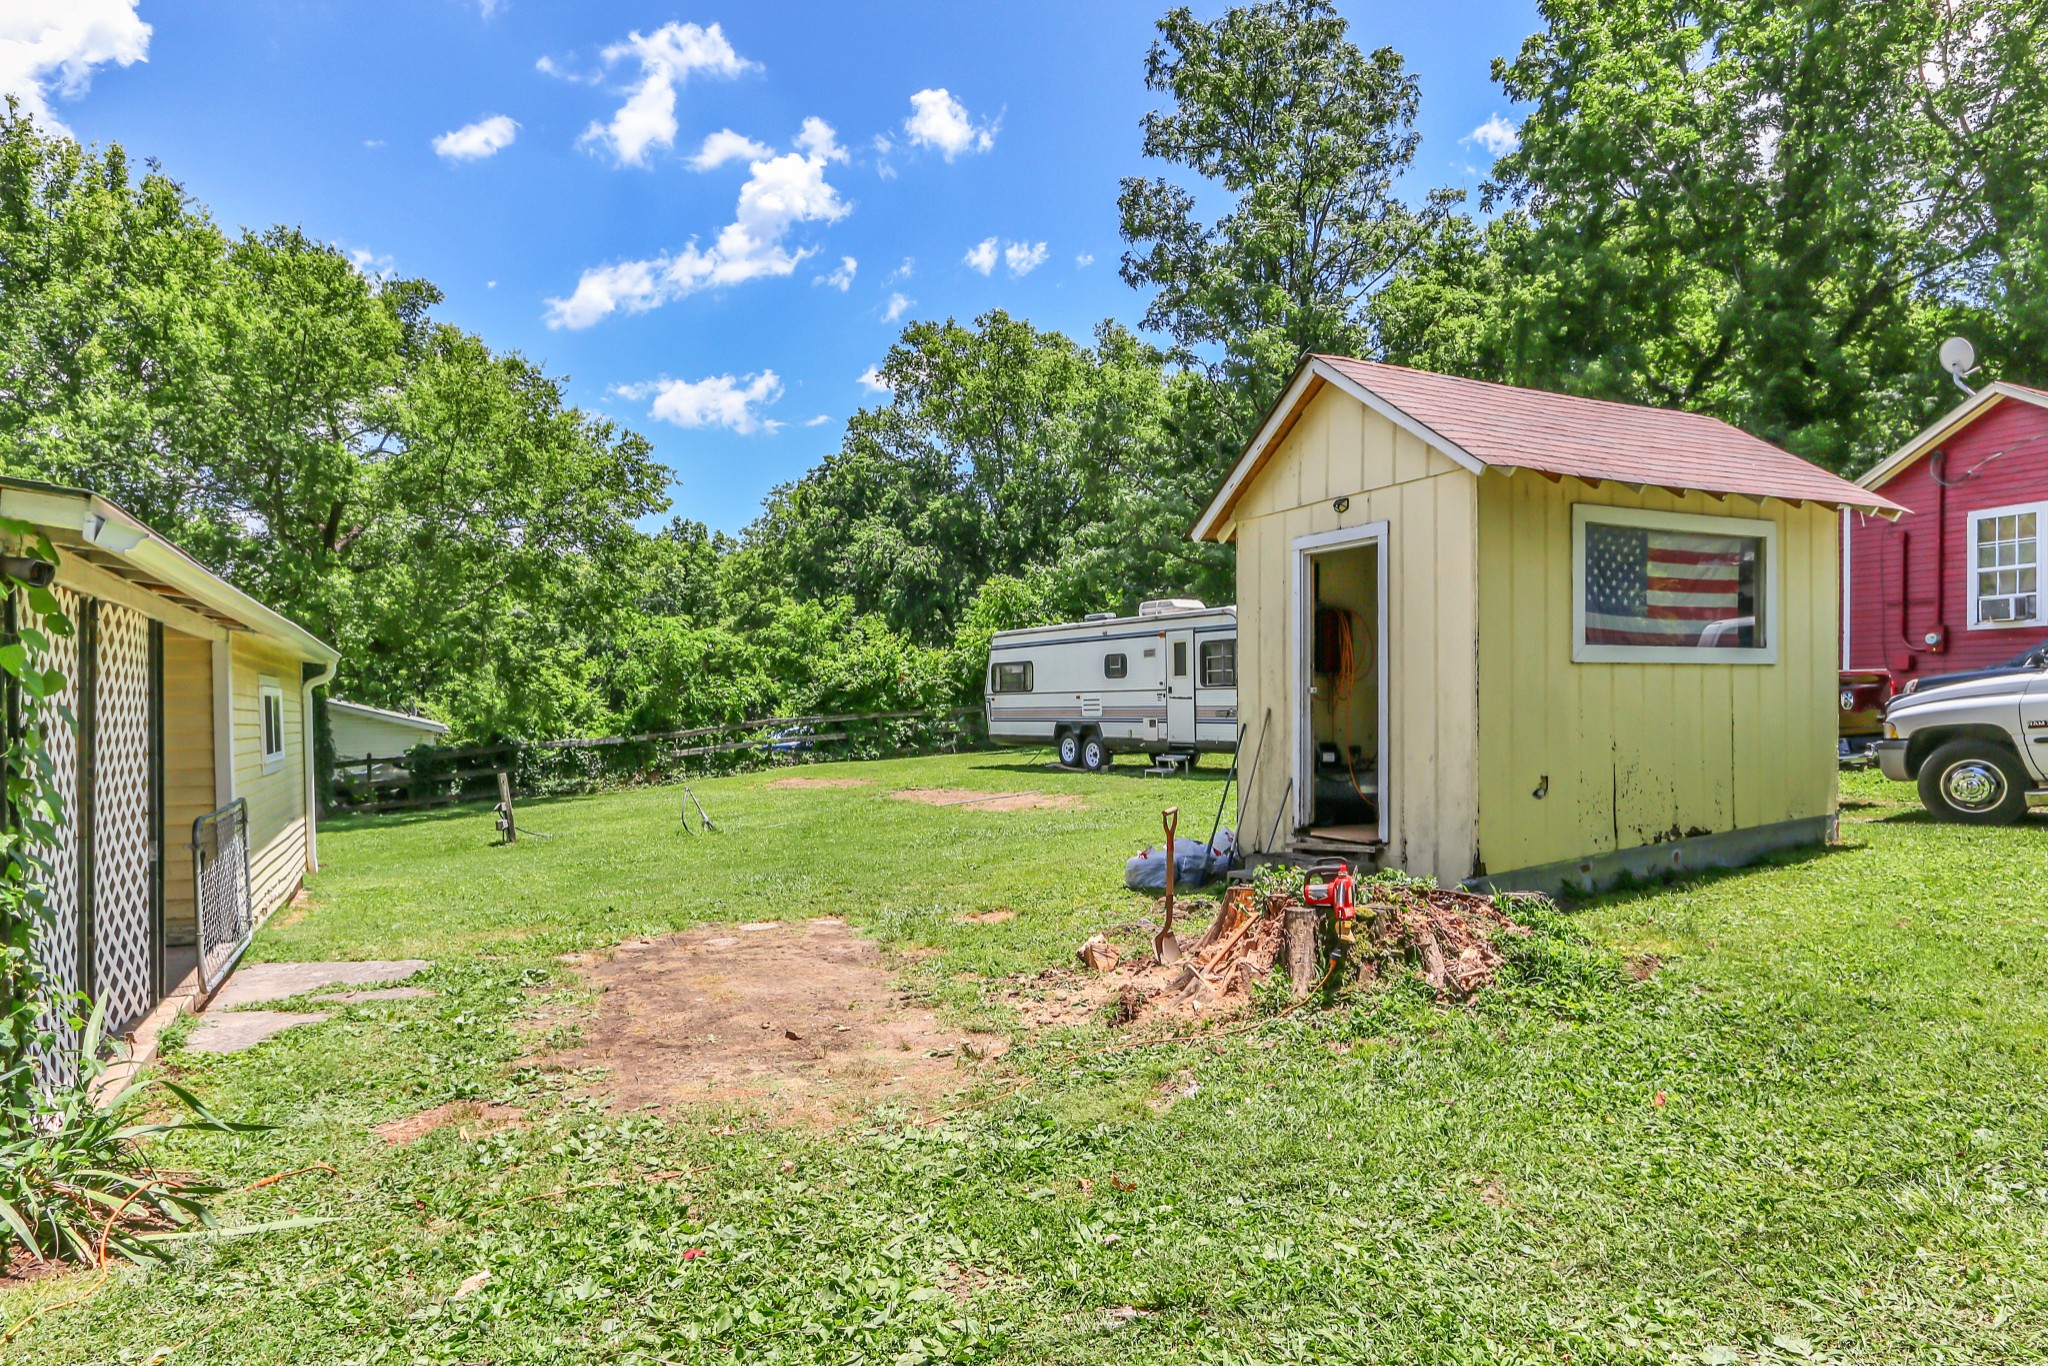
1331	885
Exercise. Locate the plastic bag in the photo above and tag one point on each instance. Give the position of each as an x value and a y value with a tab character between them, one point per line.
1195	863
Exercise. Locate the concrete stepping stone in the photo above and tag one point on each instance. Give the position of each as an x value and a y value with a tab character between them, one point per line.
228	1026
236	1030
256	983
349	998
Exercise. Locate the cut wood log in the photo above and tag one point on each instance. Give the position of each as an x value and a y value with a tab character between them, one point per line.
1300	928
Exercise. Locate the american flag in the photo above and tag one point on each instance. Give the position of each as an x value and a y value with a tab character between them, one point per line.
1647	587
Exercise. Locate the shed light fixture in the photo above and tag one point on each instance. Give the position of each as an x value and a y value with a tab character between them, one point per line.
1342	505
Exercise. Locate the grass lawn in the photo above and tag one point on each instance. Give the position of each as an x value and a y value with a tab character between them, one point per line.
1817	1132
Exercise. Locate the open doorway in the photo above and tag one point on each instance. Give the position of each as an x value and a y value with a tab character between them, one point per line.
1341	701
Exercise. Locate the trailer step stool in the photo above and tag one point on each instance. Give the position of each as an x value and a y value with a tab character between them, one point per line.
1174	764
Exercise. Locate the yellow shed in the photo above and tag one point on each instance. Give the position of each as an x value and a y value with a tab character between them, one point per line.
179	746
1513	638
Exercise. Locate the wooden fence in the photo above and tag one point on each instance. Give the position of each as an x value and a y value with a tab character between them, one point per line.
432	776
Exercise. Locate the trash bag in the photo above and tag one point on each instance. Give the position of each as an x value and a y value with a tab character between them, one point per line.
1195	863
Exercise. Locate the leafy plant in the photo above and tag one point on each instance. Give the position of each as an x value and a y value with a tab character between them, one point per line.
75	1181
1279	879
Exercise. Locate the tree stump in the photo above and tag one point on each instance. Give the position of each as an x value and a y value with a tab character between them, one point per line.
1300	931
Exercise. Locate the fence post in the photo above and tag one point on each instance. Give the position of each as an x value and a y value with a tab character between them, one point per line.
505	821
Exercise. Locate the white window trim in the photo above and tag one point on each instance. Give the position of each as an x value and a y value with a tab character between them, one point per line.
1766	595
266	689
2040	511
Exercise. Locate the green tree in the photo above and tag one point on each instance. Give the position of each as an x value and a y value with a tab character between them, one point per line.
1308	135
1772	211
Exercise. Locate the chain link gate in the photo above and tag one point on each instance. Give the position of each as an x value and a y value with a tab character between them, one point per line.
220	889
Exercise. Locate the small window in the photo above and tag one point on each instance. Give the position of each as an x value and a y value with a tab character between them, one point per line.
1667	587
1219	663
1010	677
2005	566
1115	666
1180	659
270	716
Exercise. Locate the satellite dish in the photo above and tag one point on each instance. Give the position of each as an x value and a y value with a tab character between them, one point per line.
1958	357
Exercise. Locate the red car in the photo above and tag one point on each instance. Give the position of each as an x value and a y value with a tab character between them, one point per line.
1863	697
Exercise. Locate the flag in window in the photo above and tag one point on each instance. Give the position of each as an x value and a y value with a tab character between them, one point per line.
1651	587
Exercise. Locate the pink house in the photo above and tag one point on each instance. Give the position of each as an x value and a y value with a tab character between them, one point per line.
1961	581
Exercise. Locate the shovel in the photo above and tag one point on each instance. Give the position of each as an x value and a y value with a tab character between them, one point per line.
1165	947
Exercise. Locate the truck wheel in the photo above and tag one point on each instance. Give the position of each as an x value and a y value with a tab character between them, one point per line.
1069	742
1095	755
1974	782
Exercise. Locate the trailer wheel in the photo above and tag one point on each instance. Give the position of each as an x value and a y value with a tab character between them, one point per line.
1095	755
1974	782
1068	742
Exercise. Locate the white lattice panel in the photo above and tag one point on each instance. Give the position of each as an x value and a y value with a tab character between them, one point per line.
123	851
57	940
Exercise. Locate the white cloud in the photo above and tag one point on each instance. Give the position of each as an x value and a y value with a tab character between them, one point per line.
981	256
899	304
373	143
726	145
489	8
816	139
548	66
872	381
939	121
1021	258
781	192
472	142
668	57
57	43
842	278
904	271
820	420
1496	135
370	263
728	401
1084	260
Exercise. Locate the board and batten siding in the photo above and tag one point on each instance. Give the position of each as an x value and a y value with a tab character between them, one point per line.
189	790
1429	770
277	795
1638	754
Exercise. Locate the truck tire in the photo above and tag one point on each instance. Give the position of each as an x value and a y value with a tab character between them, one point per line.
1974	782
1095	755
1068	743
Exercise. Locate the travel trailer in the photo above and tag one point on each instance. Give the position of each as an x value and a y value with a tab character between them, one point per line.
1162	683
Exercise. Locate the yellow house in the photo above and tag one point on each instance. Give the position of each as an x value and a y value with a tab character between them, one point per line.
191	705
1515	638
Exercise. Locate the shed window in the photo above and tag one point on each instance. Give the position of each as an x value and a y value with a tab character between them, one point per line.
2005	565
1219	663
1115	666
1011	677
1659	587
270	716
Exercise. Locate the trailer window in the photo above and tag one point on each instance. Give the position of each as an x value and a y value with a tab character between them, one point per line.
1011	677
1115	666
1180	659
1219	663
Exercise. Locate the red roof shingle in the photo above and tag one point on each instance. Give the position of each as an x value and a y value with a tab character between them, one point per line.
1587	438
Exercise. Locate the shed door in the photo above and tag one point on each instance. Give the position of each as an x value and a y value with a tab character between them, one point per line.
1180	686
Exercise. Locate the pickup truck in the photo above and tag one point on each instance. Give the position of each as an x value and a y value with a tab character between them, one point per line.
1976	743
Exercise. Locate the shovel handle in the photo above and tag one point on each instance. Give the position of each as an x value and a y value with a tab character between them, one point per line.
1170	819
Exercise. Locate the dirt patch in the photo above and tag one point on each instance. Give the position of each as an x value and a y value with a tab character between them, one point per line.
468	1116
780	783
799	1020
988	917
969	800
1642	967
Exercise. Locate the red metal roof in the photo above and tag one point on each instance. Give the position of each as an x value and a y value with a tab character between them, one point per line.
1589	438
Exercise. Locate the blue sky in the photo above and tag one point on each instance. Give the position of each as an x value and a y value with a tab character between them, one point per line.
547	166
